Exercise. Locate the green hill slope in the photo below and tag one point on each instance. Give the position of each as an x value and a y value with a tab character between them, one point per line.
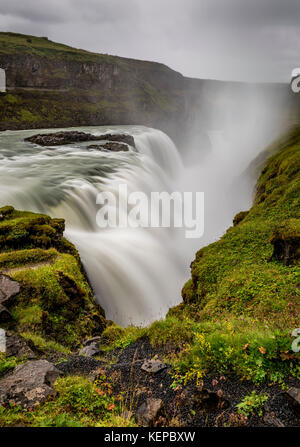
243	299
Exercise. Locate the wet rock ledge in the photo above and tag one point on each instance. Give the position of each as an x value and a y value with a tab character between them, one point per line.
69	137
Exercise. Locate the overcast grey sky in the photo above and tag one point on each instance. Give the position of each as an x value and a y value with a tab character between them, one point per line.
220	39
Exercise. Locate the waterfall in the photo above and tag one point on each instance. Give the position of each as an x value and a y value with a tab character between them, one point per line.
136	274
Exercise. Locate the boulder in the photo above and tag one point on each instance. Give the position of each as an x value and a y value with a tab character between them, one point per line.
8	289
17	346
293	395
90	350
68	137
89	341
149	412
29	385
153	366
91	347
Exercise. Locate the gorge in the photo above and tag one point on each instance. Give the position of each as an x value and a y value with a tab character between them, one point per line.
228	333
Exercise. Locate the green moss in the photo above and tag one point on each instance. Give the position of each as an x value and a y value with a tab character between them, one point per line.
6	364
28	230
240	217
236	273
14	43
55	302
79	403
28	117
45	345
29	315
242	301
15	259
11	99
172	332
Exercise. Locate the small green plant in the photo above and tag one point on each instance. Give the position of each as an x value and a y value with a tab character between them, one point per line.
6	363
252	403
80	396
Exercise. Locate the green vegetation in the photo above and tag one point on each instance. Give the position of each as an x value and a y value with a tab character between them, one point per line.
57	90
20	44
253	403
243	295
55	308
6	364
239	307
80	403
242	302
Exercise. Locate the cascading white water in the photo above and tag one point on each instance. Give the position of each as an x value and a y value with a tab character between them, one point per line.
136	274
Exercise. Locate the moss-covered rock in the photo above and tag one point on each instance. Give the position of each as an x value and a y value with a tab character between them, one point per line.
286	241
55	302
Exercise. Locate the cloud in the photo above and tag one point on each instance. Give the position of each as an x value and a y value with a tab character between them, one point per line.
35	11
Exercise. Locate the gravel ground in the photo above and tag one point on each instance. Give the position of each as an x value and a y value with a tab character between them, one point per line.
215	405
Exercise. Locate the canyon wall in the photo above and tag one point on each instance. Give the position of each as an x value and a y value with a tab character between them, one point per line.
54	85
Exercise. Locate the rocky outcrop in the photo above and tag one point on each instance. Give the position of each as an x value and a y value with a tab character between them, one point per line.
5	315
68	137
29	385
91	347
17	346
60	86
286	242
148	413
53	85
51	304
8	289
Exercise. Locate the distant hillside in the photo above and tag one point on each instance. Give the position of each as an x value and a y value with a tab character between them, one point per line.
53	85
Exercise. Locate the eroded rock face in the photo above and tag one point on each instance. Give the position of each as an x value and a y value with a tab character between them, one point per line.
8	289
17	346
5	315
286	242
148	413
68	137
29	385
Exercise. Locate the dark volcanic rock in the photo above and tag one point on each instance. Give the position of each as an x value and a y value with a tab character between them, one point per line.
4	314
148	413
112	147
68	137
17	346
79	365
8	289
29	385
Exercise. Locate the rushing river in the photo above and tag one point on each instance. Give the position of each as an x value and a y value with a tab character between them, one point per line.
136	273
